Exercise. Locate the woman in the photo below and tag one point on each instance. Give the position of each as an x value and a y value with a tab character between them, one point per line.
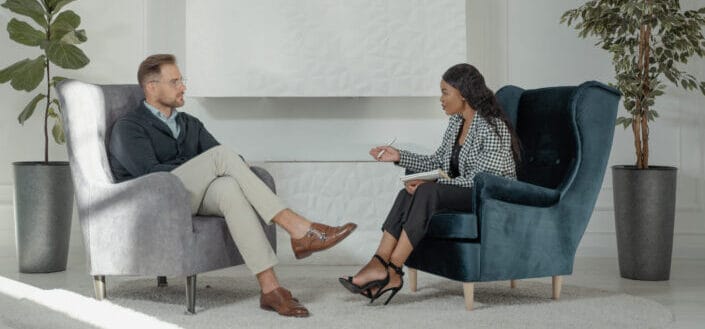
479	138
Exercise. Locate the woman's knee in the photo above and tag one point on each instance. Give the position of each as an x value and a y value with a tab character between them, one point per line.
427	189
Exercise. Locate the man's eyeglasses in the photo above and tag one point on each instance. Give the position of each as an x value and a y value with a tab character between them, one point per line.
176	83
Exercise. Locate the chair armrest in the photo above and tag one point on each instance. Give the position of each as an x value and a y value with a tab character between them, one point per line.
265	176
488	186
159	194
525	231
133	226
520	241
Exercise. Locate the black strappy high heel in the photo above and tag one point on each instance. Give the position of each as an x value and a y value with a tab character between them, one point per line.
365	289
394	290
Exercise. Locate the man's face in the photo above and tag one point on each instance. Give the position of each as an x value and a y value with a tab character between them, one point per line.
168	88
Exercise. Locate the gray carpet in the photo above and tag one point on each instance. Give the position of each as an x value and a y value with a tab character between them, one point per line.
230	302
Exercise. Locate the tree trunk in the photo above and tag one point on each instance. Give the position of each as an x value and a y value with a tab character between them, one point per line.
640	125
636	129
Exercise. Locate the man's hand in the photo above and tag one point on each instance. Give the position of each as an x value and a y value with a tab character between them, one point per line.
412	185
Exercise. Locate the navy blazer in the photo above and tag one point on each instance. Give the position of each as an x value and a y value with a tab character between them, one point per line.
140	143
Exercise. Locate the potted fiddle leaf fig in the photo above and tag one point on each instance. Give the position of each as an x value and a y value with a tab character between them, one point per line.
650	42
43	190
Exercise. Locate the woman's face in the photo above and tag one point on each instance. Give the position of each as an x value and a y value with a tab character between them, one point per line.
451	100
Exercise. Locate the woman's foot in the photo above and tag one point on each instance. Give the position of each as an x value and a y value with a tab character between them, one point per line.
396	282
371	276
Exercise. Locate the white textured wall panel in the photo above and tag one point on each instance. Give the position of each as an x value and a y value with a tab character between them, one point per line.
335	193
322	47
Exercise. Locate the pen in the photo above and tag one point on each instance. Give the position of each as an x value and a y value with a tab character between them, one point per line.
388	144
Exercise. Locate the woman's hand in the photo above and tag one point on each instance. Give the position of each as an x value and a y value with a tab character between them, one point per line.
389	154
412	185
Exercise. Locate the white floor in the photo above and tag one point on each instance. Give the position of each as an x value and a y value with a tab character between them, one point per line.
683	294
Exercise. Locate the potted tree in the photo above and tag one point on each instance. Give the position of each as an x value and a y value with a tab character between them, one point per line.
43	201
649	40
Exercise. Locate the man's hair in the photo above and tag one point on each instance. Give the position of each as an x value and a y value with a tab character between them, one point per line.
152	66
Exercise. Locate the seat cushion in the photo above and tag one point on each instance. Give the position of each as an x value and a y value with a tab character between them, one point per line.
453	225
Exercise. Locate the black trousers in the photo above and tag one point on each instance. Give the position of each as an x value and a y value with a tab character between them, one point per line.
412	213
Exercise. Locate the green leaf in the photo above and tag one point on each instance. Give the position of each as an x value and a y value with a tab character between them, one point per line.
56	79
29	109
58	132
9	72
66	55
52	113
24	33
29	8
75	37
66	22
29	76
625	122
56	5
68	17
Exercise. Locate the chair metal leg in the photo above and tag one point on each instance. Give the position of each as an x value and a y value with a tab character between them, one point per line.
469	293
191	294
99	287
412	279
557	281
161	282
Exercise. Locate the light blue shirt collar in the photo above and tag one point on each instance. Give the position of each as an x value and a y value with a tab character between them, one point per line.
170	121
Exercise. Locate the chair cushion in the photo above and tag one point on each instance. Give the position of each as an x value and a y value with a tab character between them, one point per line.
453	225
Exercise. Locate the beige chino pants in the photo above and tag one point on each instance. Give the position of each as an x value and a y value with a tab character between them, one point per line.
221	184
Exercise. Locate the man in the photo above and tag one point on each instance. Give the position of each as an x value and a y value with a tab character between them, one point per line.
156	137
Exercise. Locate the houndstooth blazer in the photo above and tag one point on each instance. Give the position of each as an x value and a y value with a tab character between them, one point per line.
483	151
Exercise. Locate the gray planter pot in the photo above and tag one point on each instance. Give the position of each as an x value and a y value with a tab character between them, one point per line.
43	203
644	209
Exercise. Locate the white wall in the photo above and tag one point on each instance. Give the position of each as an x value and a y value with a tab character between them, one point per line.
511	41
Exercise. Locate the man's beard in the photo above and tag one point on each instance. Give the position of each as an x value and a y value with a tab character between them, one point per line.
175	103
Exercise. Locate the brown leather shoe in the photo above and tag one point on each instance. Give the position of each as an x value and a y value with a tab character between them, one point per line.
281	301
320	237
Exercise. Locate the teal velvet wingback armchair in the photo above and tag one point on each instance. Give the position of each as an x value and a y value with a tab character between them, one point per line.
530	227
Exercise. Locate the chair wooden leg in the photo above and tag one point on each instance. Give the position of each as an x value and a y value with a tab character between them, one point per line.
557	281
512	284
469	292
412	279
99	287
191	294
161	282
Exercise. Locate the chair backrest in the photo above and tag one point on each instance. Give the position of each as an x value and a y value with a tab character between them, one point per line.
89	112
566	133
542	120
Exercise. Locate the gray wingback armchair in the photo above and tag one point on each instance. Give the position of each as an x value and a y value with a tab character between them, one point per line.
142	226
